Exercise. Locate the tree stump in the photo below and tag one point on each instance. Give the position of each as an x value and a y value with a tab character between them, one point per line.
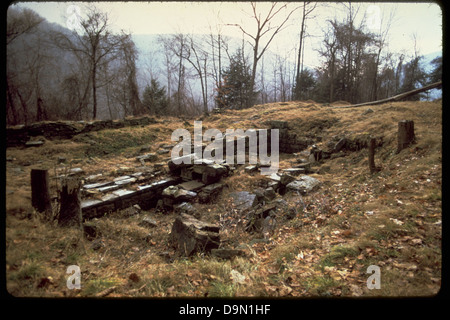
40	192
405	134
70	203
372	166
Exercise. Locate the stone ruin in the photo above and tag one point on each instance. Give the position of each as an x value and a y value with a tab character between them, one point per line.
190	181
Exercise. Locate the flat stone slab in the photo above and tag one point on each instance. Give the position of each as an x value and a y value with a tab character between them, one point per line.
176	193
108	188
304	184
243	200
125	181
191	185
123	192
109	197
148	157
76	171
275	177
88	203
294	171
97	185
121	178
34	143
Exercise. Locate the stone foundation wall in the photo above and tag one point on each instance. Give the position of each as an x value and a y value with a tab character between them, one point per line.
19	135
288	141
146	197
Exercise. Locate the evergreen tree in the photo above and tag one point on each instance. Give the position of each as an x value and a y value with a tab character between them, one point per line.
304	85
436	74
236	91
154	98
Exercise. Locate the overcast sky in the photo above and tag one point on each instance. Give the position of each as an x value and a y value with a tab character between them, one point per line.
422	19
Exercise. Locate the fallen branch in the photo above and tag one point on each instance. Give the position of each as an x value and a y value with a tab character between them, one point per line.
397	97
105	292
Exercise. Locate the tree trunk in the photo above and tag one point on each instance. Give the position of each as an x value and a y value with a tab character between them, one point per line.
40	192
70	210
397	97
94	92
405	134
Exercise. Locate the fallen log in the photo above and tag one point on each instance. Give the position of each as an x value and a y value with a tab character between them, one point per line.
396	97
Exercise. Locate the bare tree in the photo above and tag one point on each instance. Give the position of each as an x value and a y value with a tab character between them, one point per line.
308	8
380	43
21	21
198	58
264	30
96	43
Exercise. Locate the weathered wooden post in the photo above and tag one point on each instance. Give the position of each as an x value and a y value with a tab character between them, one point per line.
40	192
70	206
406	134
372	155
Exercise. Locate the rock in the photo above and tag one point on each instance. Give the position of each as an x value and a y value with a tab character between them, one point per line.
108	188
148	223
147	157
227	254
96	185
190	235
295	171
269	193
34	143
257	218
209	192
176	164
213	173
192	185
125	181
286	179
275	177
250	169
186	208
244	200
304	184
162	151
61	160
75	171
306	166
178	194
94	177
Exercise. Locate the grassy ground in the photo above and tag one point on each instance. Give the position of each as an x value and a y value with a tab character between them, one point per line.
391	219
